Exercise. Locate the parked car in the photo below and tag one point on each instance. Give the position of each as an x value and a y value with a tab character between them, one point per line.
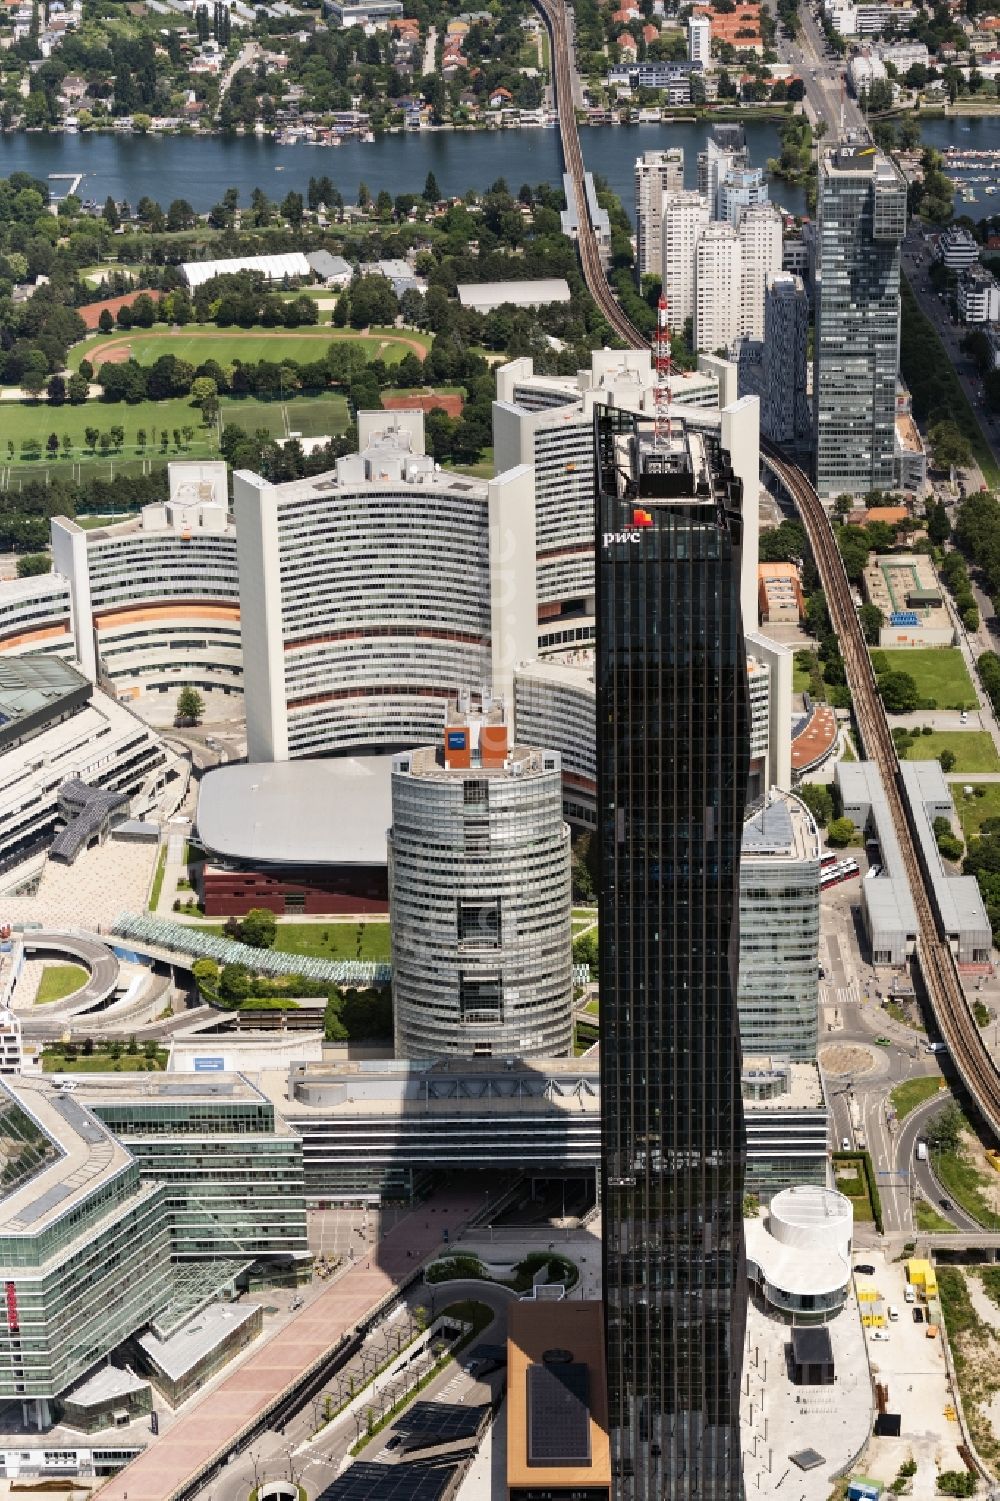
881	1335
946	1204
918	1315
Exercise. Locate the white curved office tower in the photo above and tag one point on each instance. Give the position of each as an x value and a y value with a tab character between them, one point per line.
372	595
479	893
155	598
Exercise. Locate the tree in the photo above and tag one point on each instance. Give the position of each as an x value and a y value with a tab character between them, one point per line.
205	394
77	389
259	928
872	621
234	983
818	799
190	706
52	444
105	322
56	390
33	378
432	193
947	759
840	832
32	563
899	691
949	445
91	434
110	213
946	1128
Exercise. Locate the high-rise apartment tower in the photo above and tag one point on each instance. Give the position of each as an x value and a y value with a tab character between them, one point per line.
862	220
656	173
673	753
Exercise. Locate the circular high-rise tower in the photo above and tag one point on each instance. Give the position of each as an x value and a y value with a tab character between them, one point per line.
480	898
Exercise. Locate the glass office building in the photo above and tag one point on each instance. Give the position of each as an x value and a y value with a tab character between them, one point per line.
673	758
779	929
861	223
84	1254
231	1170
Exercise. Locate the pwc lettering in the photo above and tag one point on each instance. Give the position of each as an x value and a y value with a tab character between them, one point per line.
641	520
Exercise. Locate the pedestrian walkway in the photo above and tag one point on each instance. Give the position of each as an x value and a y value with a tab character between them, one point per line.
213	1427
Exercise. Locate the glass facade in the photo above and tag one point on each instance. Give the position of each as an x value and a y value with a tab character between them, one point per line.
673	757
77	1289
232	1186
779	930
862	220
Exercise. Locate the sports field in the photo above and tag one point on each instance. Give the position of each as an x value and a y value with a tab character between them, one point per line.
201	341
310	415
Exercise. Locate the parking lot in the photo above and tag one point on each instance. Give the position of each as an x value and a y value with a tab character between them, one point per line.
912	1368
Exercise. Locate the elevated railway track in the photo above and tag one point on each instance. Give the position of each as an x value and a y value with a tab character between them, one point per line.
945	994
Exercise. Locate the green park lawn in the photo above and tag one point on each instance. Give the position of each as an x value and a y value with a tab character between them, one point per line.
913	1092
334	940
974	811
311	415
197	342
973	749
58	981
940	674
100	1061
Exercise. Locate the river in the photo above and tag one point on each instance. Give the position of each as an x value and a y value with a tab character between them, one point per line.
201	168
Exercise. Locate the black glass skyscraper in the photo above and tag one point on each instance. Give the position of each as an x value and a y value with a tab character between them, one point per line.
673	757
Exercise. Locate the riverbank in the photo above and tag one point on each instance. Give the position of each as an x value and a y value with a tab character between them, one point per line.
758	114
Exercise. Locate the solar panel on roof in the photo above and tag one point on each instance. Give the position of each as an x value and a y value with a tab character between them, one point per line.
441	1422
558	1413
83	1124
406	1482
45	1201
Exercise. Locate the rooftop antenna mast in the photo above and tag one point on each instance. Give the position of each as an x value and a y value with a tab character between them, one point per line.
662	361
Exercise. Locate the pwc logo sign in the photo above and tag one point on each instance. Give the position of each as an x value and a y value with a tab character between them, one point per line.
641	520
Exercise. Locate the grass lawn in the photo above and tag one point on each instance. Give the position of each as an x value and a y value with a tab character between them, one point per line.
329	941
973	749
482	470
102	1062
913	1092
974	811
940	673
927	1218
58	981
202	341
310	415
962	1181
154	895
849	1179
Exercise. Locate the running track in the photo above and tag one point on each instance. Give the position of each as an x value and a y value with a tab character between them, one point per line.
215	1422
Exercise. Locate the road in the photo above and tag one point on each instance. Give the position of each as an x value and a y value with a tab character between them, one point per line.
248	55
916	266
826	93
316	1458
